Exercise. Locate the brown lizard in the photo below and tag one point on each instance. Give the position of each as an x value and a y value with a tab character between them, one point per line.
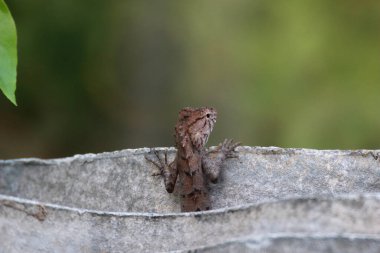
193	164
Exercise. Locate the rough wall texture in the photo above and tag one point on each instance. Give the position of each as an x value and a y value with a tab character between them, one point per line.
268	200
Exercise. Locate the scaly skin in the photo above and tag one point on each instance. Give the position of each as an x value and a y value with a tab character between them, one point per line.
193	165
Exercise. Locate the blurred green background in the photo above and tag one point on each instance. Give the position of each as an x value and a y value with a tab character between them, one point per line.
97	76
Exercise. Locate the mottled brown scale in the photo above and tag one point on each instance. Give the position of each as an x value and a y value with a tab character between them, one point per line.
193	166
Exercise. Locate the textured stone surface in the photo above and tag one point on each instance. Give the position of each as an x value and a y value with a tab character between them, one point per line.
268	200
299	244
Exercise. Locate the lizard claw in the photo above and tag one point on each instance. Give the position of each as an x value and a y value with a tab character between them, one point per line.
228	148
157	162
155	174
161	163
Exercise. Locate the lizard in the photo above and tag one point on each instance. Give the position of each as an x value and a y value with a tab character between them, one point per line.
193	164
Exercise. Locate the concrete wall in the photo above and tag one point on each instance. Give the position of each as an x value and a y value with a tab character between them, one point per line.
267	200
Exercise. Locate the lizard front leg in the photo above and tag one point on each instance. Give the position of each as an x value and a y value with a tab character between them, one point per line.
212	161
168	171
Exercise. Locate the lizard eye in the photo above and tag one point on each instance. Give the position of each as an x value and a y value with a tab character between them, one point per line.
208	115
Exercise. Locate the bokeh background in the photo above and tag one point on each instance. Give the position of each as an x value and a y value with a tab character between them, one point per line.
99	75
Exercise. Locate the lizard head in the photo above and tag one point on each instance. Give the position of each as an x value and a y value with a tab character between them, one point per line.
195	124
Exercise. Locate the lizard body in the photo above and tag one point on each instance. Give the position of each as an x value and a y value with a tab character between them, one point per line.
193	166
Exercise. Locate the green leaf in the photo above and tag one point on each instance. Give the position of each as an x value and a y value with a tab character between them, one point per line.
8	53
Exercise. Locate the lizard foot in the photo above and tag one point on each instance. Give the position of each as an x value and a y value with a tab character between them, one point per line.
228	148
166	170
160	163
